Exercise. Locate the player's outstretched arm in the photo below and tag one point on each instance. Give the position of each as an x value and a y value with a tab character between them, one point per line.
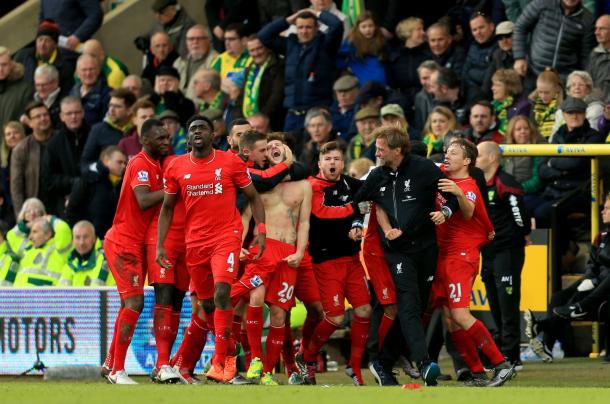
258	212
165	220
294	260
147	199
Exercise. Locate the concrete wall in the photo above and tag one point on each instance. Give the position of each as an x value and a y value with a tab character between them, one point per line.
18	27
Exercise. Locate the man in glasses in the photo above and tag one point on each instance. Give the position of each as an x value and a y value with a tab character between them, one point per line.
502	57
199	54
236	57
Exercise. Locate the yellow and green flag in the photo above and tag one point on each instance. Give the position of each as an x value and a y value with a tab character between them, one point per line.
352	9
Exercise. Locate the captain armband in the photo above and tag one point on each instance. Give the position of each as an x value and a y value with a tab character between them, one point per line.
446	211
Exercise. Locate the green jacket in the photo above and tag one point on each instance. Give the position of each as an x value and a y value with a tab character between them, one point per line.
89	270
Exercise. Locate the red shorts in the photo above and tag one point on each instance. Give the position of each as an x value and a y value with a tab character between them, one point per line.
127	264
380	277
211	264
177	275
306	289
455	274
260	272
280	291
341	278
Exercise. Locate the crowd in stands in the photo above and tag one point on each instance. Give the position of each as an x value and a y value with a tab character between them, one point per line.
521	72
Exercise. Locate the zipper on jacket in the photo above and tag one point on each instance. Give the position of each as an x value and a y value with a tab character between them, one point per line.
558	41
394	200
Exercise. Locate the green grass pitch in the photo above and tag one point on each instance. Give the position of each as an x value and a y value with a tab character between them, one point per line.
580	381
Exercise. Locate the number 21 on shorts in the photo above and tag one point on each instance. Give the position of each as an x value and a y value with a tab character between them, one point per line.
231	262
455	292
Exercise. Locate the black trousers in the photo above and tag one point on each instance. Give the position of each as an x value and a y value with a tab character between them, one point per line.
413	274
501	273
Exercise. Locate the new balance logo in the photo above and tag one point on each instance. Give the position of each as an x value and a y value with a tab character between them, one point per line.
187	176
508	279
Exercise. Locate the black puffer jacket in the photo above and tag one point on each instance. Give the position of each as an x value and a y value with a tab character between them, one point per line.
559	41
598	264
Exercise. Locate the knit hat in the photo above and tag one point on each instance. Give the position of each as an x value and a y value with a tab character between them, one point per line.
48	27
239	78
159	5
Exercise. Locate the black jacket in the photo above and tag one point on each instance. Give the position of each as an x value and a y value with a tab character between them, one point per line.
177	102
507	212
102	134
333	214
598	264
61	167
453	58
477	61
408	197
65	66
94	198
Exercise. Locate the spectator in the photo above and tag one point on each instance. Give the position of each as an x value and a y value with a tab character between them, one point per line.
61	157
405	60
445	86
86	265
264	84
17	237
564	174
161	55
13	133
520	130
15	92
440	122
115	126
171	122
393	115
317	6
45	51
93	91
604	120
563	51
114	70
141	111
480	51
424	99
9	265
343	108
545	100
27	156
373	95
360	167
269	10
444	51
364	51
363	144
580	85
220	141
233	85
167	94
319	127
260	123
95	194
236	57
133	83
206	88
199	55
41	264
502	57
221	14
310	61
483	125
78	19
507	99
174	20
46	83
599	61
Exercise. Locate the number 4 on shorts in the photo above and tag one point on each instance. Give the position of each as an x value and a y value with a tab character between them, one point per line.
231	262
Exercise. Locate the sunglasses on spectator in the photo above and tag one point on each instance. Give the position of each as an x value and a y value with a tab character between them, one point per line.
504	36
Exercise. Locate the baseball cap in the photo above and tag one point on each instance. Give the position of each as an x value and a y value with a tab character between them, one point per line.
159	5
571	104
169	114
505	28
392	109
212	114
366	112
345	83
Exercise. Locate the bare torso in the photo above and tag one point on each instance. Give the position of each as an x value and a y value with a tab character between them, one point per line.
282	208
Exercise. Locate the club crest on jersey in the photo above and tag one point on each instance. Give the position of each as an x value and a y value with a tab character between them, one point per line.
336	300
471	196
135	280
217	173
384	294
163	272
187	176
399	268
143	176
407	185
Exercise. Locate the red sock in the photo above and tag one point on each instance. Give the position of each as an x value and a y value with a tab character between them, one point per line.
175	327
126	325
467	350
309	326
359	334
209	318
192	343
162	328
384	328
235	334
245	345
482	339
254	328
275	342
110	355
288	349
320	335
222	335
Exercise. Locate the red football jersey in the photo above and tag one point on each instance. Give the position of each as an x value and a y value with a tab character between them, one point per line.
458	233
130	222
208	187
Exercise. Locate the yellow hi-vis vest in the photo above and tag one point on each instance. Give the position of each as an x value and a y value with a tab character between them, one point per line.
18	240
91	270
40	266
9	266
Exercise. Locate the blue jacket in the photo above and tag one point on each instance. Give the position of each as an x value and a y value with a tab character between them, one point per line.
477	61
370	68
95	102
310	67
75	17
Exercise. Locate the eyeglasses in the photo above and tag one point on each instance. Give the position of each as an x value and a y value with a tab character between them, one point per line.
504	36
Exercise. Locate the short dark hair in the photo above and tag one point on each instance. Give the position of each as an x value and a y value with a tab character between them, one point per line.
198	117
307	15
469	149
485	104
149	125
142	103
397	138
250	137
124	94
238	28
480	13
238	121
329	147
33	105
281	136
447	77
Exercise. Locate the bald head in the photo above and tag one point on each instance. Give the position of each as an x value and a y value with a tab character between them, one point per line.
94	48
83	237
602	31
489	157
